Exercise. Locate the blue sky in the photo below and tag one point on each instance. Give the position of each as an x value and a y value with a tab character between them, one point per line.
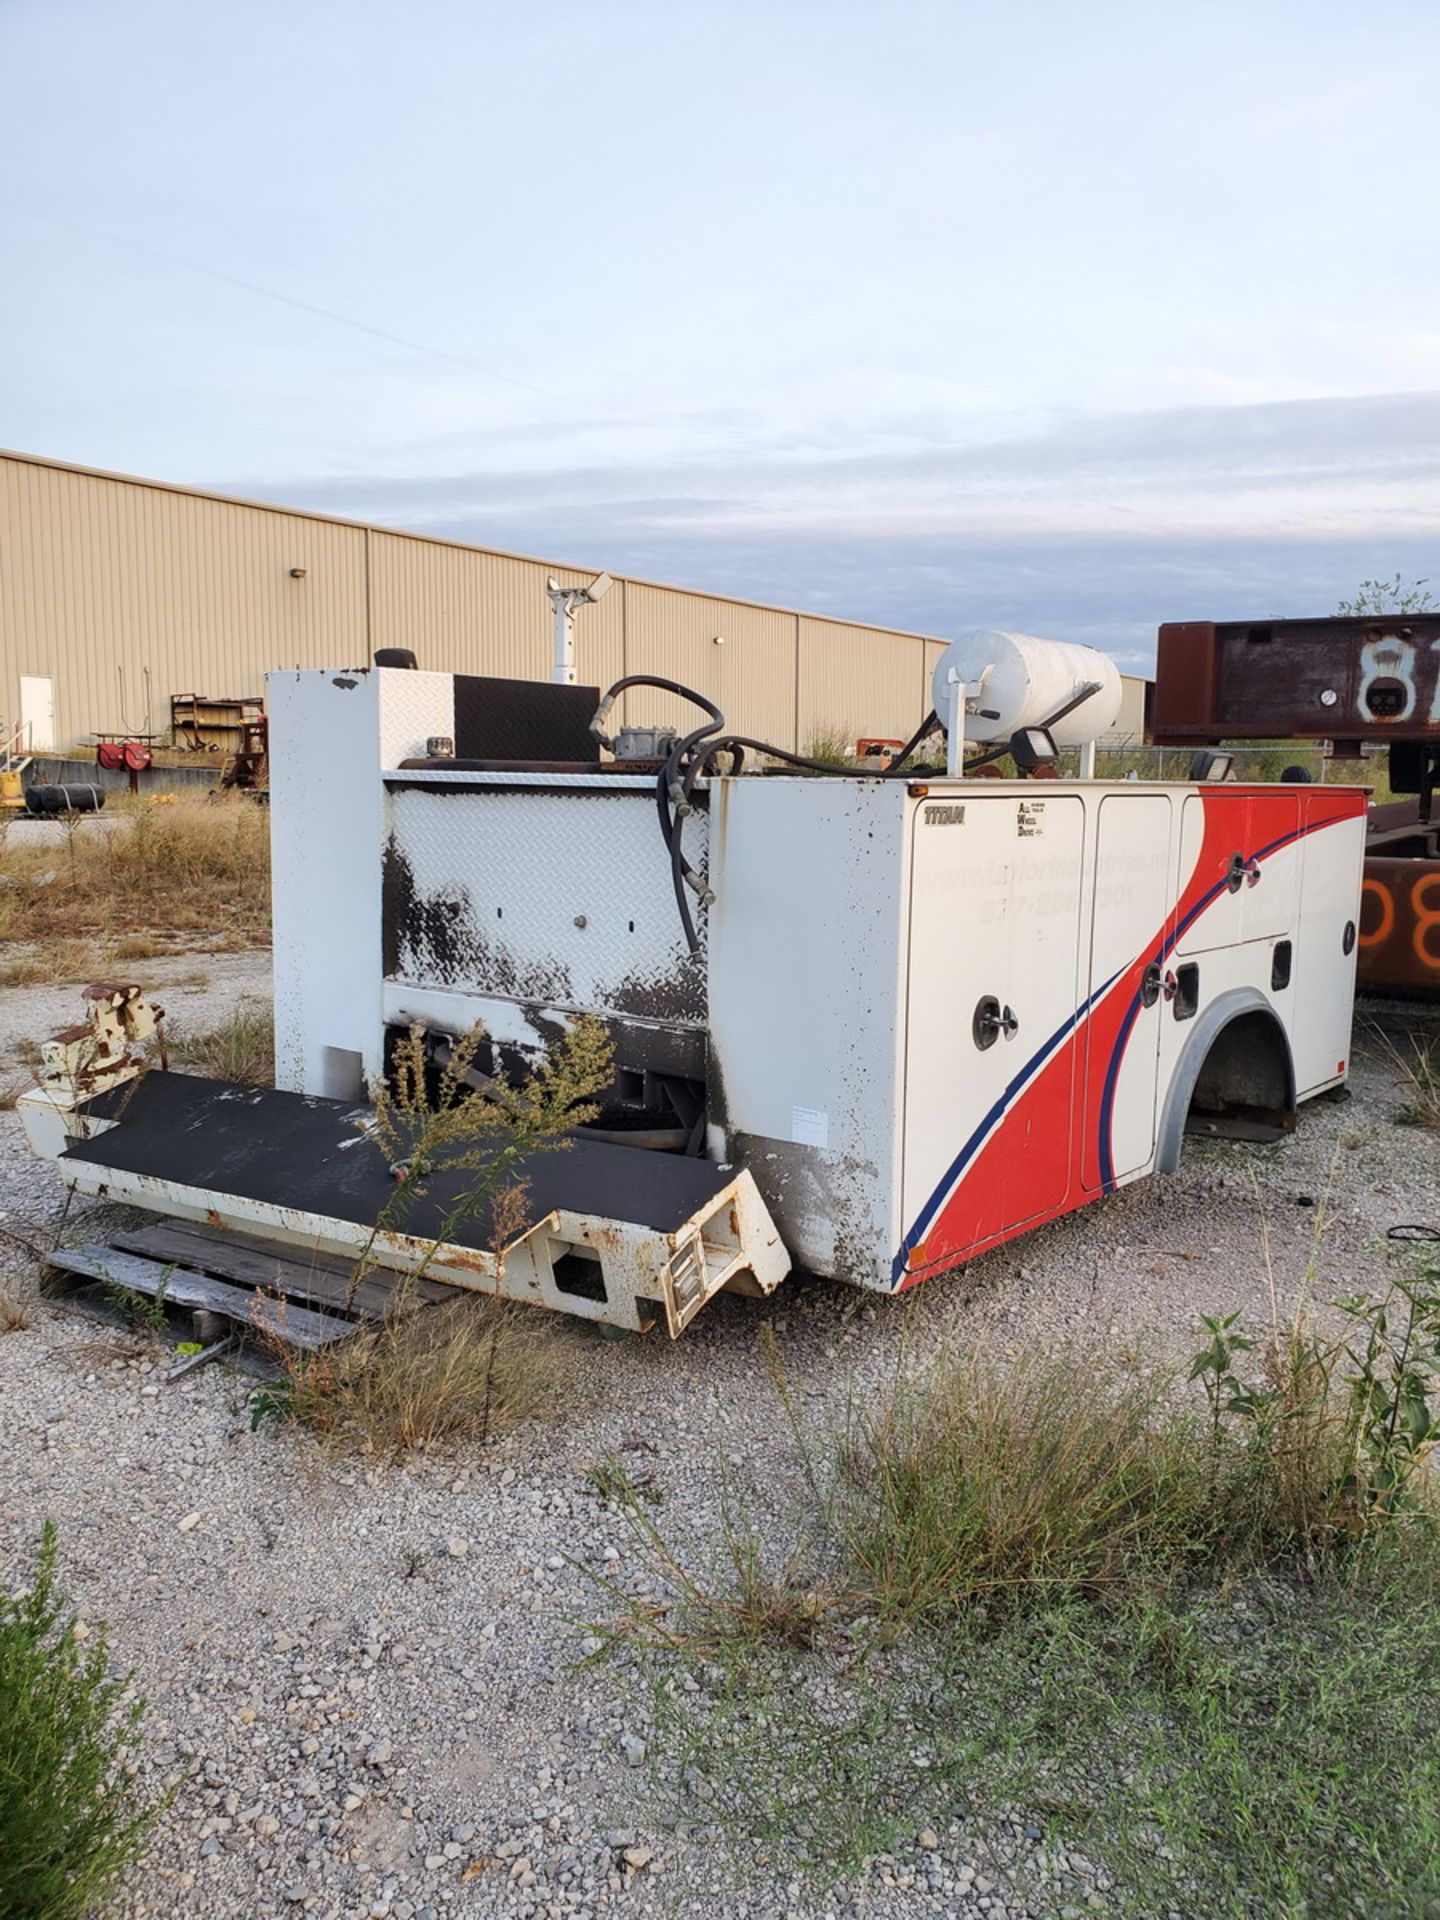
1057	316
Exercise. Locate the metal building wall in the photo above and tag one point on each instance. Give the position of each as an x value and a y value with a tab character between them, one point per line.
124	594
124	591
858	681
464	610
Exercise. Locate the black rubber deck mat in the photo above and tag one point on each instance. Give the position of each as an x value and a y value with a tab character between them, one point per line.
298	1150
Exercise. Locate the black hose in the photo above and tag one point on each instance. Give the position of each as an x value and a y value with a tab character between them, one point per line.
931	721
694	756
613	693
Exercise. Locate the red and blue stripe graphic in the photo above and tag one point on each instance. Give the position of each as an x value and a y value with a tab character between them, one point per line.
1067	1089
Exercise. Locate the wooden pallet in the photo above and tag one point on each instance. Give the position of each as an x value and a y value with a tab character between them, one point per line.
308	1301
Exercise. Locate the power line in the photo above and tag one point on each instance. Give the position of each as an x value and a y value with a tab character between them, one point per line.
273	293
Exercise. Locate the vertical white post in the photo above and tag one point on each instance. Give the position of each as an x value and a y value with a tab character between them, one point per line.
955	724
564	673
1087	760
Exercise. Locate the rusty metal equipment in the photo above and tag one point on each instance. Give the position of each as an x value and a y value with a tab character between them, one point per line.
1373	680
206	724
249	770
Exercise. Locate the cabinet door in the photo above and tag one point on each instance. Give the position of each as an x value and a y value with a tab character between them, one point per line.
1239	858
994	951
1122	1036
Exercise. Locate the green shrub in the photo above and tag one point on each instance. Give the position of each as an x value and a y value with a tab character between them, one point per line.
71	1818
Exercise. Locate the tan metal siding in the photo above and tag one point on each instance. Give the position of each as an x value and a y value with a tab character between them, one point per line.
751	677
1129	727
466	611
854	682
123	591
124	595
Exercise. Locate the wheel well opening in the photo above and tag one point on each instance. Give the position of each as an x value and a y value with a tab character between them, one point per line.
1245	1087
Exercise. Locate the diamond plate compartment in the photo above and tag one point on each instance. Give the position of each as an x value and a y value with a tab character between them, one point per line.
545	890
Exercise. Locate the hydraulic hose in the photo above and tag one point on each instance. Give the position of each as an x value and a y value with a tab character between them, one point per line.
696	755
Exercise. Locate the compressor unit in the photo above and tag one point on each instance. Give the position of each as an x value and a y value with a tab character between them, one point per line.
866	1023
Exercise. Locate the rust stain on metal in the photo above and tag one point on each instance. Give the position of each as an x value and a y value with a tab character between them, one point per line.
1327	679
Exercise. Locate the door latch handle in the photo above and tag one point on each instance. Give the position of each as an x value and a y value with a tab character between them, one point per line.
1242	872
991	1020
1151	984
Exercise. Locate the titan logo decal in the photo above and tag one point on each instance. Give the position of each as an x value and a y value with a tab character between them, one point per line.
944	816
1030	819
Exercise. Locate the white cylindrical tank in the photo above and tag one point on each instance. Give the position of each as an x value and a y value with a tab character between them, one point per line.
1026	680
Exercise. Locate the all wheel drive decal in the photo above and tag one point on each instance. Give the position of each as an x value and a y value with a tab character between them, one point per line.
1056	1080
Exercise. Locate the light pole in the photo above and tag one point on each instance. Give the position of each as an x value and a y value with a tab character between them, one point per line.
565	600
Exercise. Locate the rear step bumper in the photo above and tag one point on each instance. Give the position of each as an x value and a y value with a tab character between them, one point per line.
608	1233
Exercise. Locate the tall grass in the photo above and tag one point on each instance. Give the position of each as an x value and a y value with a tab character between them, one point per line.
833	746
1182	1623
973	1481
465	1370
468	1368
197	869
71	1817
241	1048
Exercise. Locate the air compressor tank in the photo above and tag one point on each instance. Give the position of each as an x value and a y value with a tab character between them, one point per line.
1026	679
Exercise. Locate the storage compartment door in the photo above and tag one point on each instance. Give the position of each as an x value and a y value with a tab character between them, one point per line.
994	949
1122	1034
1239	868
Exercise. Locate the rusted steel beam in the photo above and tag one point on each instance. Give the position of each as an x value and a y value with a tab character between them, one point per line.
1326	679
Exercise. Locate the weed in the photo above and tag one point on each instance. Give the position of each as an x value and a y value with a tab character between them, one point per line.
1196	1645
51	963
473	1366
614	1483
756	1598
1336	1430
197	870
142	1314
241	1048
140	946
833	746
70	1815
1417	1056
462	1370
974	1482
16	1310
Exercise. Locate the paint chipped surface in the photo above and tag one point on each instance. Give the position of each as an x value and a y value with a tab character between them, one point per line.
556	898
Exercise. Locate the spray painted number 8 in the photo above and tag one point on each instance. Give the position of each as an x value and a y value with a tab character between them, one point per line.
1392	658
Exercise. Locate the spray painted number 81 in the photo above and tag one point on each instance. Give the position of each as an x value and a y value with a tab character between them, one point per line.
1392	658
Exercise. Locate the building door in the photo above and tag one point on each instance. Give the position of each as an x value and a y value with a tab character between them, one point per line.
37	713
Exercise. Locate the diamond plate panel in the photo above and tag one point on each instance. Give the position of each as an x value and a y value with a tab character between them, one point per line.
542	891
413	706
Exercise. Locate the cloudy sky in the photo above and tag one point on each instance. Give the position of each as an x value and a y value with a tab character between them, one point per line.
1068	317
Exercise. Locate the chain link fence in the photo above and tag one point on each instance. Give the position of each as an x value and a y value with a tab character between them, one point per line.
1249	762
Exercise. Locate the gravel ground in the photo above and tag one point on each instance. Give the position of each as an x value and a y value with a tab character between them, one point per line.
368	1672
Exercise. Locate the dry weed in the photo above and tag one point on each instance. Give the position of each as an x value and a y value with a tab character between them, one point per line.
193	868
240	1048
58	962
1417	1056
17	1310
462	1370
